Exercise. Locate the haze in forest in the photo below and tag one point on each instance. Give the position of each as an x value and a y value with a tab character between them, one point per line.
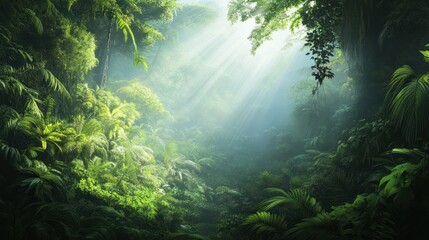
208	78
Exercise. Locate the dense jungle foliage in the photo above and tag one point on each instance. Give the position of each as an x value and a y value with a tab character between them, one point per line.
135	119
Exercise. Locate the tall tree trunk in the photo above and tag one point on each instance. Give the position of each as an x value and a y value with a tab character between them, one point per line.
104	68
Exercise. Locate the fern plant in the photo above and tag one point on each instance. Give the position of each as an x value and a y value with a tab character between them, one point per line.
24	78
86	140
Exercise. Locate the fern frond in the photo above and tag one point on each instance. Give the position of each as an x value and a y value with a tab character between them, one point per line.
125	27
7	113
48	106
54	83
32	106
10	84
91	127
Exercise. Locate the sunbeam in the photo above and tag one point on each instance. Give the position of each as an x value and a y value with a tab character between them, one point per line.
214	62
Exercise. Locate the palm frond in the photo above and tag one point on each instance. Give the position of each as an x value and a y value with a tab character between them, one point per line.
407	98
43	183
399	79
293	200
267	223
321	227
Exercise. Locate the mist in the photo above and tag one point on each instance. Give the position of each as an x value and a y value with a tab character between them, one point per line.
209	80
245	108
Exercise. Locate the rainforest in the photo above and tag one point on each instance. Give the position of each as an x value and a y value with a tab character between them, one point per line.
214	119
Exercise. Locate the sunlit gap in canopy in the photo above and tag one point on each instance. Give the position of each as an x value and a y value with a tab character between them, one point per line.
230	88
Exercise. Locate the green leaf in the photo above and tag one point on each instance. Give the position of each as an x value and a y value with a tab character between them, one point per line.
138	59
425	54
44	144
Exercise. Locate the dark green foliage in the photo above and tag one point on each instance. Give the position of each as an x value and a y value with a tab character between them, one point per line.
387	213
320	17
270	225
293	206
293	200
323	226
321	38
44	184
406	100
187	236
372	34
74	165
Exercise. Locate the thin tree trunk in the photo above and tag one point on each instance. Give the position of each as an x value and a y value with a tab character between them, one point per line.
104	70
